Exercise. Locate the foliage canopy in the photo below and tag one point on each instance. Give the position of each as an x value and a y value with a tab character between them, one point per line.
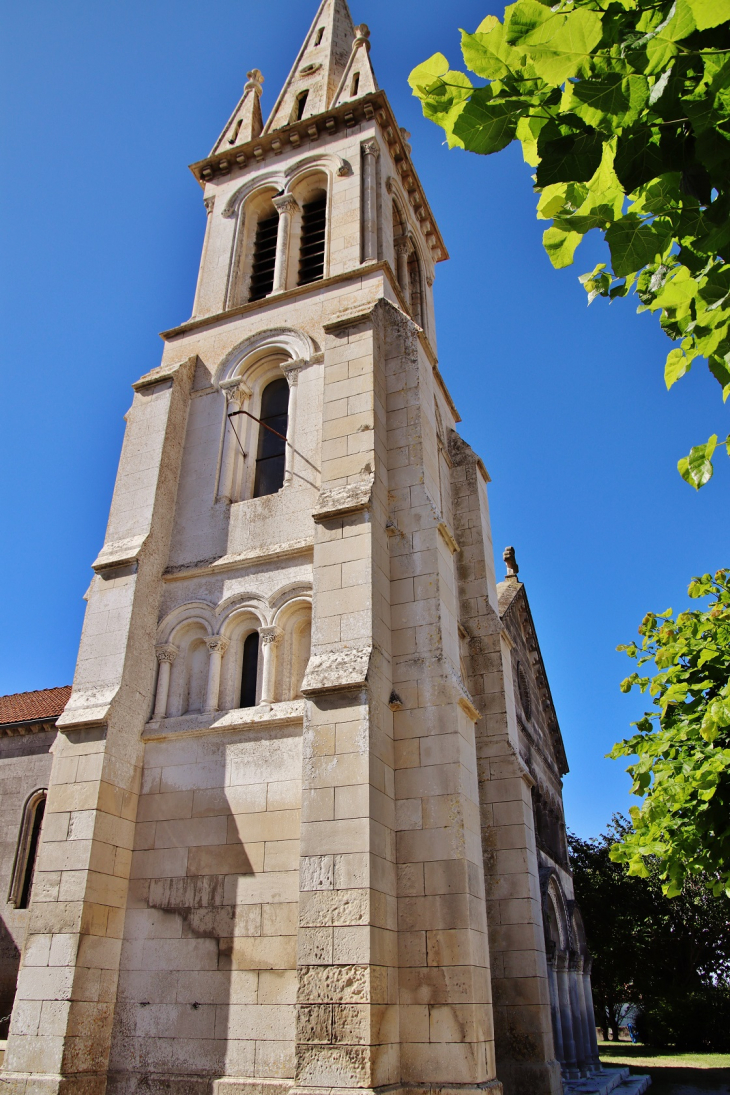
671	959
683	748
623	108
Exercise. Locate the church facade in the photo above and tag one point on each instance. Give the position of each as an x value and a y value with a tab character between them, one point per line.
303	827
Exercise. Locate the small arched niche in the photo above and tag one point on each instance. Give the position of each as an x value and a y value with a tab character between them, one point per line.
295	621
189	674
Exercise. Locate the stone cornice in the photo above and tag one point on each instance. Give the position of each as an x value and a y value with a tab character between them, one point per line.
26	727
238	562
374	107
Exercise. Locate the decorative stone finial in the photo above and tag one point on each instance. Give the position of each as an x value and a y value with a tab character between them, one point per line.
255	81
511	563
362	35
406	138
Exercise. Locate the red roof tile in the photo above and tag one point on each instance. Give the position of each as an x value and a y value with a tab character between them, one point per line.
48	703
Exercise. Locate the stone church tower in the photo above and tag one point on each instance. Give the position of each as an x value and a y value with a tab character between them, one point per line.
303	828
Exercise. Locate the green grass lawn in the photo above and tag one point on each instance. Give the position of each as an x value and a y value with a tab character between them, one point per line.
640	1056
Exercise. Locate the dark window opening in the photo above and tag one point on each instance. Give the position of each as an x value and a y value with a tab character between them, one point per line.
314	225
264	257
355	84
271	459
320	36
30	863
300	105
249	671
416	288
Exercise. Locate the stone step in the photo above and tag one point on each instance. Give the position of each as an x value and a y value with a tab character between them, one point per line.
616	1080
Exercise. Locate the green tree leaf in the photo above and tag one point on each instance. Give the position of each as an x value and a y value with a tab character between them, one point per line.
696	469
486	125
560	246
608	100
560	47
633	244
709	13
574	157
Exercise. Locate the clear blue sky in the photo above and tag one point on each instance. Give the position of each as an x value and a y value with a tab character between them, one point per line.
104	105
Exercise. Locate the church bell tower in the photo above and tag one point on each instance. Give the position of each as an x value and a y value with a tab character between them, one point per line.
270	827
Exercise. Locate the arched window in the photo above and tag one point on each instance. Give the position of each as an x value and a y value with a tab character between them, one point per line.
271	456
26	855
314	229
355	87
250	669
264	253
300	105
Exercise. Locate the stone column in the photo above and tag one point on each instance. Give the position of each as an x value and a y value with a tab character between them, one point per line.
209	203
269	637
286	206
577	1006
291	370
166	656
590	1014
236	393
371	152
217	647
402	251
555	1004
566	1019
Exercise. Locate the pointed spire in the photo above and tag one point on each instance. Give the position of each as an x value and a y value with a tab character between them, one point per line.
358	78
318	70
246	121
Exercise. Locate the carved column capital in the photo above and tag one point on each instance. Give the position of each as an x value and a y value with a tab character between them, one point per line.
166	653
291	370
576	963
286	203
235	390
370	148
269	635
217	644
403	246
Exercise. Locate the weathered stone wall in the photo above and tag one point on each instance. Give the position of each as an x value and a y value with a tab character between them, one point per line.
25	767
207	979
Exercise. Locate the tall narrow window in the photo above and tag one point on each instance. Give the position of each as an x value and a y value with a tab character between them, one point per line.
355	85
300	106
264	256
27	854
416	288
271	459
249	670
320	35
314	224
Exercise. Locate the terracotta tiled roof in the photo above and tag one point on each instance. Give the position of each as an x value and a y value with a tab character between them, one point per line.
48	703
